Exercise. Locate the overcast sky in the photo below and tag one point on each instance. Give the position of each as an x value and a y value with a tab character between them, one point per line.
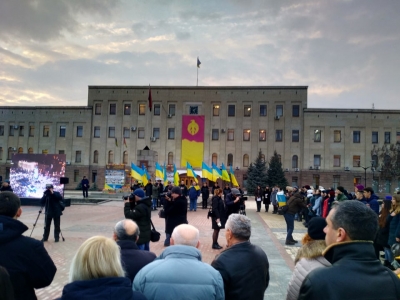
346	52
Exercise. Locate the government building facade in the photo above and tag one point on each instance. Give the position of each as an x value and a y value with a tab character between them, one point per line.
319	147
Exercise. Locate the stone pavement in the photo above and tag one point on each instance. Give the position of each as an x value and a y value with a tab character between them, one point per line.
80	222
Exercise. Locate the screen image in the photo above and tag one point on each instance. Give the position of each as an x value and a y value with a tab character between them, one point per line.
30	173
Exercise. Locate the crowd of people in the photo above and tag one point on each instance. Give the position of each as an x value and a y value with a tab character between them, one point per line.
339	257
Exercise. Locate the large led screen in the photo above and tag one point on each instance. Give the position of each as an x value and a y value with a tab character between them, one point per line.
30	173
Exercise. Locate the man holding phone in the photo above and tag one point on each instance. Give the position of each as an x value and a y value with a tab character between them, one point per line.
53	203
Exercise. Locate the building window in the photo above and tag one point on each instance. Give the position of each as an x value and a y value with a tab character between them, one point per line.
193	110
140	133
263	110
317	136
215	134
171	133
262	158
79	131
11	132
142	109
157	109
78	156
295	136
46	130
336	181
336	160
374	137
280	158
262	135
316	180
127	109
111	132
31	131
110	157
317	160
356	160
374	160
170	158
62	131
1	153
21	130
231	134
76	175
10	152
295	162
230	159
156	133
96	157
294	181
356	136
61	151
231	110
247	111
387	186
127	133
171	109
97	109
279	111
96	131
278	135
296	111
215	110
245	160
113	109
387	137
1	130
214	158
398	137
337	136
125	158
20	150
30	151
246	135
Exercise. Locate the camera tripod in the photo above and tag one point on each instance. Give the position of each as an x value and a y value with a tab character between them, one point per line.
37	218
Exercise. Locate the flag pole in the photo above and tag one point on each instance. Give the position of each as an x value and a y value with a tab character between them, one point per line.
197	76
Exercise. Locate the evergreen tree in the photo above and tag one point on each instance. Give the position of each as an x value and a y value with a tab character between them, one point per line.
275	173
256	174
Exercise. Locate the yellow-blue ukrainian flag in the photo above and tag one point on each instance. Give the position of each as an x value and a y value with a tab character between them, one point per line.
159	172
216	172
233	178
165	175
206	171
145	175
136	172
176	176
225	175
190	172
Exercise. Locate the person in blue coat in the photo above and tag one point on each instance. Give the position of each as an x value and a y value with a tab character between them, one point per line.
371	199
96	273
193	193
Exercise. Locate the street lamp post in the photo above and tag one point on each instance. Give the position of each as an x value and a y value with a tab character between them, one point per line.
365	175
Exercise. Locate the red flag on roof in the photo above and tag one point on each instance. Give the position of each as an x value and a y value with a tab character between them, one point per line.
150	100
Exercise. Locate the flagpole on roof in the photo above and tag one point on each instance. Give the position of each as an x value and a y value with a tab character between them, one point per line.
198	67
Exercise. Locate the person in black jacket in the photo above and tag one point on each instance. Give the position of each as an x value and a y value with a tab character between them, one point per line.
215	186
226	190
232	202
244	267
205	193
54	206
24	258
6	187
267	198
184	189
148	189
85	187
258	194
139	210
355	273
218	217
175	208
126	233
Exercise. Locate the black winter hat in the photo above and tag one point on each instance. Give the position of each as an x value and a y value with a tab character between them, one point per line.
340	188
176	190
316	228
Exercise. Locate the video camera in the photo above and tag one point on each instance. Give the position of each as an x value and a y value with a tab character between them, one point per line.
242	198
166	194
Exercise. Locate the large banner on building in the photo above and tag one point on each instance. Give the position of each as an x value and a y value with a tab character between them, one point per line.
114	177
30	173
192	140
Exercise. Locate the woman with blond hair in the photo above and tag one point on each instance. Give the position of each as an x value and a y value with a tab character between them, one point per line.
309	256
96	273
394	226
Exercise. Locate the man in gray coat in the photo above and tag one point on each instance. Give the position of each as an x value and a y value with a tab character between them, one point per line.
179	272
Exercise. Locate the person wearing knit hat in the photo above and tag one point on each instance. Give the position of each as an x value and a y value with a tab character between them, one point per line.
309	256
358	187
340	196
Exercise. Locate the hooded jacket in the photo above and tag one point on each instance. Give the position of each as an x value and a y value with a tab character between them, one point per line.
373	203
107	288
141	214
355	273
295	202
25	259
308	258
179	273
